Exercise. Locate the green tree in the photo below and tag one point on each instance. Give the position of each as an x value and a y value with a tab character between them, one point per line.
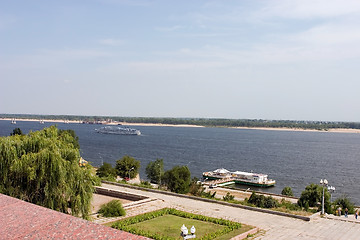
177	179
106	171
43	168
287	191
16	131
344	202
70	136
155	170
127	167
312	197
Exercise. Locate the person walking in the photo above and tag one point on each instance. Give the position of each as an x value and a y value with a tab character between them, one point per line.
339	211
356	214
346	212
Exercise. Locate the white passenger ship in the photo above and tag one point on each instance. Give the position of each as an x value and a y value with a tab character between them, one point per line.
246	178
118	130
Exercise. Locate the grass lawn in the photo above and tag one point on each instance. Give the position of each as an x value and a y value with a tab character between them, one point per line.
170	225
166	224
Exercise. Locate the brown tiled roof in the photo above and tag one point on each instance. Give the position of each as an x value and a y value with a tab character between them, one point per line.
23	220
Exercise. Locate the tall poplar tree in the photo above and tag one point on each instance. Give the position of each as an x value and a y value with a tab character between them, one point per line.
155	170
42	167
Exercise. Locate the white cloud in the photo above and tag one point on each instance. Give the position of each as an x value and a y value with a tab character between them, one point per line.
330	34
304	9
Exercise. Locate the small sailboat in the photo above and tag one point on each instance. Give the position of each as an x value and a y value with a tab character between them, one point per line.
13	121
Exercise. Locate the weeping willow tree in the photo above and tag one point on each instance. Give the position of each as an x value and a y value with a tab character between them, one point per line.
42	167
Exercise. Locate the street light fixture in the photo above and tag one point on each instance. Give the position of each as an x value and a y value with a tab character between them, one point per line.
331	190
129	171
323	183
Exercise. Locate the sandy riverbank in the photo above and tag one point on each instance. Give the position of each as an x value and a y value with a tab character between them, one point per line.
333	130
113	123
336	130
37	120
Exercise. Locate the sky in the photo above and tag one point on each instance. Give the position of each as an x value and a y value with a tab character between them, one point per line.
243	59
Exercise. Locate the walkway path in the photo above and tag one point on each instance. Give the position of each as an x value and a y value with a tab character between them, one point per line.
275	227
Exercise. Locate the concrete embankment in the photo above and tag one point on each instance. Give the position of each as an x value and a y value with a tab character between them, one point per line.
272	227
212	201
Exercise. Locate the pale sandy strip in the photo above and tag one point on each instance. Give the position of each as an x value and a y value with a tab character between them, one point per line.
336	130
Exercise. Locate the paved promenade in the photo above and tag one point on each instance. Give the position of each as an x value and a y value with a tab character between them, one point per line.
273	226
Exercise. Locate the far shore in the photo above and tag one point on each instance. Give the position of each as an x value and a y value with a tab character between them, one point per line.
333	130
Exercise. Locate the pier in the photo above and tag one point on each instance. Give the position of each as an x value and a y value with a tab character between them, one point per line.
220	182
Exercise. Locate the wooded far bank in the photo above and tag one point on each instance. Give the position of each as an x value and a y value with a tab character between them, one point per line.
207	122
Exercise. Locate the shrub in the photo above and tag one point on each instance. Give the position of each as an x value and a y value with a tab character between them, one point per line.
287	191
270	202
145	184
262	201
289	205
196	188
208	194
112	209
228	197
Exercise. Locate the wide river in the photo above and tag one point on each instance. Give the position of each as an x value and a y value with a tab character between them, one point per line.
292	158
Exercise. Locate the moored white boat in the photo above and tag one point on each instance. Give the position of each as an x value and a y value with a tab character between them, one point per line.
118	130
239	177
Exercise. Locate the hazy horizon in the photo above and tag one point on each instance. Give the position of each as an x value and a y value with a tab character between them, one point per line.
249	59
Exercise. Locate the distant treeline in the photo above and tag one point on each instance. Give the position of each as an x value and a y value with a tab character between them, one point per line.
207	122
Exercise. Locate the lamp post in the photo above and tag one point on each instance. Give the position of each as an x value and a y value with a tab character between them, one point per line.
185	232
159	165
323	183
331	190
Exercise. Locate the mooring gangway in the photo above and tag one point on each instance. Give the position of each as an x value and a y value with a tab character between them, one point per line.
220	182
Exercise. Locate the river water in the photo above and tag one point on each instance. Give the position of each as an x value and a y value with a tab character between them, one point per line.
292	158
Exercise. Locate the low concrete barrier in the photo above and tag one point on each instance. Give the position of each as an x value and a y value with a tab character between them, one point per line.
212	201
117	194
